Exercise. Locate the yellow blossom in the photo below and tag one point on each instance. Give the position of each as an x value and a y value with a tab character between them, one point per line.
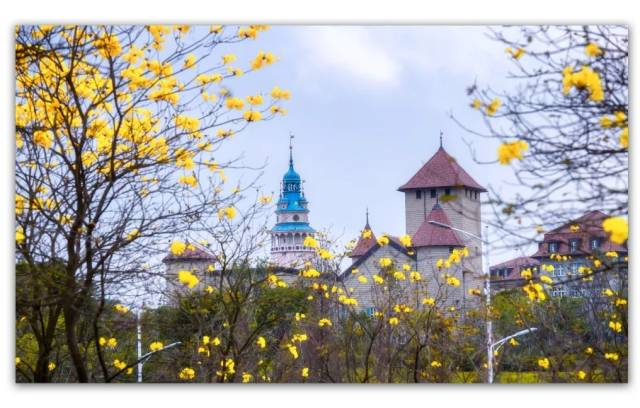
120	308
615	326
187	279
405	240
310	242
624	137
493	107
592	50
227	212
246	377
20	237
190	61
612	356
366	234
581	375
517	53
385	262
228	58
436	364
509	151
305	372
324	322
51	366
261	342
585	79
383	240
362	279
543	363
393	321
618	228
429	301
156	345
177	247
252	116
187	373
43	138
277	93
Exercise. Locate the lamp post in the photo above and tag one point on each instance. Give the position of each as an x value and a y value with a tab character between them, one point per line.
487	290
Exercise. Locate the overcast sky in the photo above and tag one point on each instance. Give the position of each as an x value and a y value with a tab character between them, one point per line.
368	104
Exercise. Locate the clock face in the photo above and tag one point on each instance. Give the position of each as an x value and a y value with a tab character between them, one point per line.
296	217
292	187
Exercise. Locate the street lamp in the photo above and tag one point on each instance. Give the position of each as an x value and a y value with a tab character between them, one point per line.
487	289
144	358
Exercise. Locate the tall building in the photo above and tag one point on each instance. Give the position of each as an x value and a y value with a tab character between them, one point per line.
440	193
292	222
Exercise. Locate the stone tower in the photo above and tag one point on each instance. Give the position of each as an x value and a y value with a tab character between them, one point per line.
292	225
443	192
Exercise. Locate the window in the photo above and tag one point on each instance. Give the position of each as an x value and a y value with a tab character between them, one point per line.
476	194
507	272
595	243
447	191
574	244
418	194
369	311
574	268
433	193
553	247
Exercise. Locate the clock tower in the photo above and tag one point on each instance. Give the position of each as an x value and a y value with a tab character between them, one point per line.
292	221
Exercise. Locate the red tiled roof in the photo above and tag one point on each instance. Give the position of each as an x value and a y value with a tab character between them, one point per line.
194	254
517	264
441	170
590	226
364	244
433	235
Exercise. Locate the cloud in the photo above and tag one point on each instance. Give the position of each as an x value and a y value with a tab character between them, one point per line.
350	52
384	55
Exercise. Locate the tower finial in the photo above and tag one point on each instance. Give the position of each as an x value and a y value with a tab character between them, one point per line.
291	136
367	213
441	138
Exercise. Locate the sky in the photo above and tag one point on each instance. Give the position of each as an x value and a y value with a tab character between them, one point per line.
368	105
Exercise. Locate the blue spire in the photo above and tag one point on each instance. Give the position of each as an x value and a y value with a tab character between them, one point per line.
292	200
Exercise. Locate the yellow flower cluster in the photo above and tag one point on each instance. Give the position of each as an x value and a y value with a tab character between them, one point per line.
120	308
120	365
383	240
324	322
156	345
585	79
618	228
177	247
385	262
535	291
227	212
188	279
543	363
261	342
263	59
187	373
310	242
511	150
593	50
405	240
110	343
515	54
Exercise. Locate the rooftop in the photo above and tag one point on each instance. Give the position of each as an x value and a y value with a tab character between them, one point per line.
441	170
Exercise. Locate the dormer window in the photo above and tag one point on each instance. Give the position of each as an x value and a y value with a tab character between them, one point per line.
574	244
552	247
595	243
